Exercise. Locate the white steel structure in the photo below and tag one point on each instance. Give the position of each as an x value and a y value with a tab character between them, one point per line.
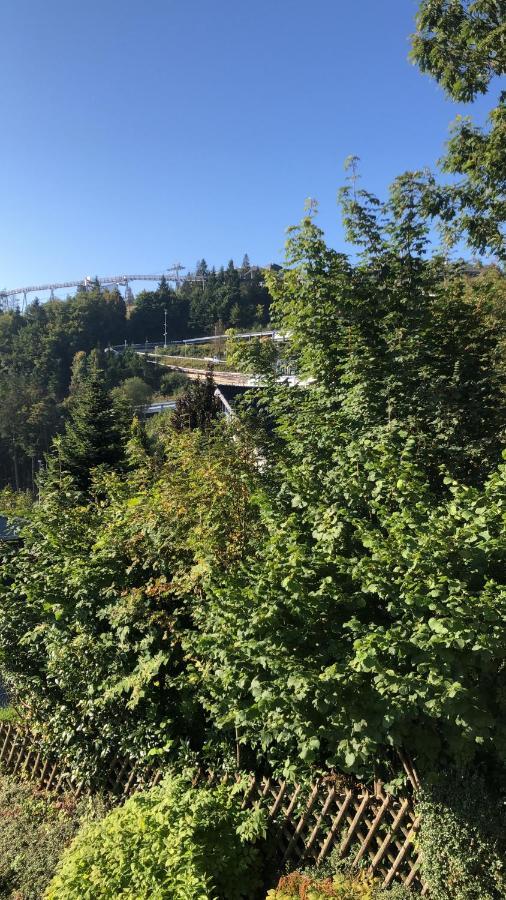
10	298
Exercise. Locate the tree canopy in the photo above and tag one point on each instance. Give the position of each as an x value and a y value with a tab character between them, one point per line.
462	44
92	437
38	349
370	616
319	583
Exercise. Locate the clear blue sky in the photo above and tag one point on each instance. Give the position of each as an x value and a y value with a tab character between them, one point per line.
136	134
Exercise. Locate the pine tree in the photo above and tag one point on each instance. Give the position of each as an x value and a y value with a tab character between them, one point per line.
201	267
163	288
91	437
77	375
198	406
140	458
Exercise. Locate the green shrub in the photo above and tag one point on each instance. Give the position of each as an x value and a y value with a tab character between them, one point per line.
174	841
337	877
8	714
133	391
397	892
172	382
462	838
338	872
95	606
35	826
340	887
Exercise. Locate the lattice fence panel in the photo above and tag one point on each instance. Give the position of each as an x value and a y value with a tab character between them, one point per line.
333	814
308	823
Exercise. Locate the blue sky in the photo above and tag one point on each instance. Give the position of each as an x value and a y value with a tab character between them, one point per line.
136	134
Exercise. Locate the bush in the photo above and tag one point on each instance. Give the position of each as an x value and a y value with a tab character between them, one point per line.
96	604
397	892
133	391
173	841
339	873
34	829
173	382
462	838
340	886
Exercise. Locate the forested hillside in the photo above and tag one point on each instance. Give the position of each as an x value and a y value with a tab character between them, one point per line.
303	600
37	349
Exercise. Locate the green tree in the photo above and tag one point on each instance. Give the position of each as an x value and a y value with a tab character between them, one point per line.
197	406
173	382
79	372
391	338
135	391
370	618
486	292
91	437
96	605
27	421
461	43
146	322
254	355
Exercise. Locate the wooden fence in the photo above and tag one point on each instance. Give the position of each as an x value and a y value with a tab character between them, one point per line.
308	821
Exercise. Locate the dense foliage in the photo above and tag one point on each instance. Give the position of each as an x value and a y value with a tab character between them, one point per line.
173	842
36	353
341	887
320	583
37	349
461	44
35	828
371	617
196	406
323	585
328	591
92	437
462	838
98	602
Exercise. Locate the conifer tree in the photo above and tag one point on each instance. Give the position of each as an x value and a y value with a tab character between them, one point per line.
77	374
198	406
91	437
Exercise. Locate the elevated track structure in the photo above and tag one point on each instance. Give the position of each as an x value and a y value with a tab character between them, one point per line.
207	339
13	298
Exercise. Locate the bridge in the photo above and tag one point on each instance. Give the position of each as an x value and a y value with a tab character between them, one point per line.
208	339
14	297
154	408
195	367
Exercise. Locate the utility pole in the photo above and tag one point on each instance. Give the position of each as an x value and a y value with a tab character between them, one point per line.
165	331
